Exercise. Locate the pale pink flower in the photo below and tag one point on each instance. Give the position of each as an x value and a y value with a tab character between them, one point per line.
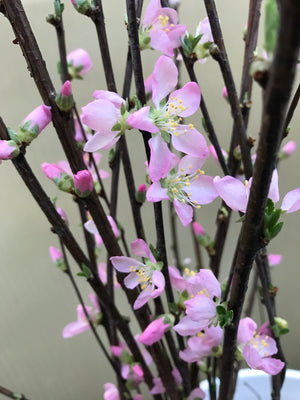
90	226
166	118
158	387
147	274
160	25
187	187
63	215
102	115
289	148
201	345
82	323
196	394
55	254
274	259
258	348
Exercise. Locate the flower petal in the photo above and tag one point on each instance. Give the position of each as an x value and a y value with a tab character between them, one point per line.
100	115
156	193
123	264
141	249
184	212
202	190
291	201
140	120
232	191
188	140
187	98
164	79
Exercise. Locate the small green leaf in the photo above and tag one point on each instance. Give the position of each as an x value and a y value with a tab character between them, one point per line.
154	251
173	307
117	127
86	272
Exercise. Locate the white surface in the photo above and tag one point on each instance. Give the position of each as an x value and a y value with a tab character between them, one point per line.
256	385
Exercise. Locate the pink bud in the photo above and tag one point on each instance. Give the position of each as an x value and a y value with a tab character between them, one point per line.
66	89
198	230
224	93
154	332
83	182
111	392
73	2
274	259
40	116
55	254
80	58
52	171
138	370
289	148
7	148
78	132
142	188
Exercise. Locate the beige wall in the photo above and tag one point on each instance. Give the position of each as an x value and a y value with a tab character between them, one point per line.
36	300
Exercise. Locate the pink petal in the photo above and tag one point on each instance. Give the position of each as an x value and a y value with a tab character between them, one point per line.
154	332
189	164
101	140
160	41
112	97
141	249
196	394
142	299
202	190
291	201
187	327
159	281
161	159
175	33
200	308
150	12
123	264
164	79
184	212
177	281
190	141
140	120
246	330
156	193
271	366
100	115
190	95
274	190
232	191
131	281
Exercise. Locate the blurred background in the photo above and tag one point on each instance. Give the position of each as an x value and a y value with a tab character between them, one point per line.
36	299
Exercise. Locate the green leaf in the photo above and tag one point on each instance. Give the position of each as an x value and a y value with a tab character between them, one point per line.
225	316
154	251
117	127
86	272
271	25
173	307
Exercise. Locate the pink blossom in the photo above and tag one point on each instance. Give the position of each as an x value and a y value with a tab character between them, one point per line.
79	63
8	150
274	259
236	194
102	115
102	273
66	89
55	254
203	287
187	187
289	148
213	153
167	118
111	392
258	348
147	274
160	25
83	183
154	332
37	120
201	345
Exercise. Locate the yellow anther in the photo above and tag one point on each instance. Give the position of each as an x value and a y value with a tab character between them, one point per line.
189	194
246	183
191	126
182	200
198	206
167	30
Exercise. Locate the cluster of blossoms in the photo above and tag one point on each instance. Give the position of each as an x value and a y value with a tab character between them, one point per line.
178	152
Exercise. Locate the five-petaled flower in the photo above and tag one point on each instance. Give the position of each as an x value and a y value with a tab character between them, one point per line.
147	274
166	117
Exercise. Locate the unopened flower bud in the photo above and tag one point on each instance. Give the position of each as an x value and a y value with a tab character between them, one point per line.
64	99
282	323
34	123
58	258
82	6
198	229
289	148
224	93
83	183
56	174
154	332
8	150
79	63
140	195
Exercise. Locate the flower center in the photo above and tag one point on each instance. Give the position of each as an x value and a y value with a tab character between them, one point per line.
144	273
164	20
179	187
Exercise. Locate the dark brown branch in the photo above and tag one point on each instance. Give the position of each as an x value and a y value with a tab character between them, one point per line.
9	393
